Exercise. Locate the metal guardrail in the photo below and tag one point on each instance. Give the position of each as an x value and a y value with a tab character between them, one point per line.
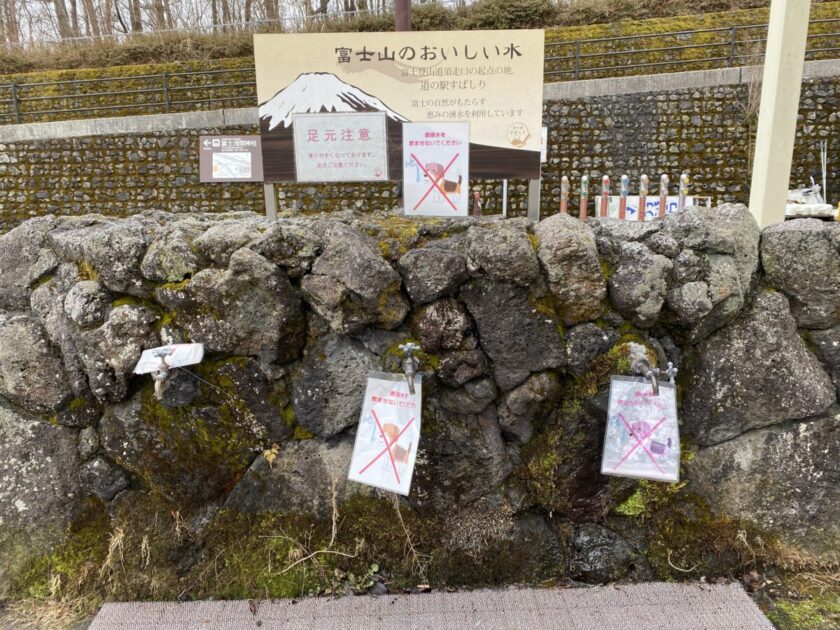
591	58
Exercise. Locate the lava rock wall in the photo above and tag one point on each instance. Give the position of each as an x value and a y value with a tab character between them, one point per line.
240	470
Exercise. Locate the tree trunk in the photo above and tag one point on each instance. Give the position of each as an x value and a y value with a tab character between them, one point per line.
136	18
12	25
74	18
214	13
226	17
92	18
62	19
247	16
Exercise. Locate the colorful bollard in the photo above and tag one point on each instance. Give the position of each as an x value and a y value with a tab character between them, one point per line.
663	194
564	195
584	197
622	202
605	195
684	182
644	186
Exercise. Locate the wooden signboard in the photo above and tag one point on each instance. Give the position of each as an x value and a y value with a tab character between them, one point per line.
491	79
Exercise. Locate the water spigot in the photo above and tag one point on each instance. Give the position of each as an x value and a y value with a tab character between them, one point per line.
161	375
410	363
642	367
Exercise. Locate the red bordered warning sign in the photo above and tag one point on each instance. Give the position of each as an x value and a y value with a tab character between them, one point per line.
436	159
388	433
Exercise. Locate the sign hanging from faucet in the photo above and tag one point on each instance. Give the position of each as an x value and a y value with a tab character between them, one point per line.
642	439
388	433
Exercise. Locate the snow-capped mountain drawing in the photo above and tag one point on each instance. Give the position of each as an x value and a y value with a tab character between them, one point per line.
314	92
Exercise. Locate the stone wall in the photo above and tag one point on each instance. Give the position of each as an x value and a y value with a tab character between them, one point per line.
234	484
703	130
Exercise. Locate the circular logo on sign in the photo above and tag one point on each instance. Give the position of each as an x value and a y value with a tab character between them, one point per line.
377	172
518	135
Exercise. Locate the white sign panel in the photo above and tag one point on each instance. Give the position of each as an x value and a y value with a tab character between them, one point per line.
388	433
175	355
341	147
651	206
642	439
436	163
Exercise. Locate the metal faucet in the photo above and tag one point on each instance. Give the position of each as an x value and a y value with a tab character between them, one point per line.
410	363
161	375
643	368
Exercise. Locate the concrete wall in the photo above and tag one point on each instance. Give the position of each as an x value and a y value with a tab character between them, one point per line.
701	122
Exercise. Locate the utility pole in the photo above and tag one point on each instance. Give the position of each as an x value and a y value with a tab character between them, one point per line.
402	15
787	36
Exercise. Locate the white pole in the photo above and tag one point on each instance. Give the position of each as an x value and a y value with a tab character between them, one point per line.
787	36
504	198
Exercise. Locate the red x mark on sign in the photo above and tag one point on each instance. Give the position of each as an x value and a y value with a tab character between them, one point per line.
435	181
388	446
640	442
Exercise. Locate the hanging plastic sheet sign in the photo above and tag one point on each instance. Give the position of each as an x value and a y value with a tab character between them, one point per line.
175	355
388	433
642	439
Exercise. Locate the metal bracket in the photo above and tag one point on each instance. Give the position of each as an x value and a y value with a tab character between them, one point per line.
410	363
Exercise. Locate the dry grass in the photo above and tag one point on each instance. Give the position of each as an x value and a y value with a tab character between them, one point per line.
180	47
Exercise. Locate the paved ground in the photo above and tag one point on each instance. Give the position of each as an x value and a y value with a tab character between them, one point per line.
655	606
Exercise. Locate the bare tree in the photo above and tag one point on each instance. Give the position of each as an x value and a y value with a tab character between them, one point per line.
63	19
135	15
92	16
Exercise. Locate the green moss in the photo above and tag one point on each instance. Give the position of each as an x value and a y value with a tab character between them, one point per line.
41	281
606	269
66	571
86	271
546	305
820	612
301	433
175	286
392	357
535	241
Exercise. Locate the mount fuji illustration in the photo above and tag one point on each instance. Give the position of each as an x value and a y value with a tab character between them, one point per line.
315	92
324	92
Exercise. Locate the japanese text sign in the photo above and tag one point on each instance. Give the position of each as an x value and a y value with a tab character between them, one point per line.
230	159
388	433
491	79
651	206
642	438
436	162
341	147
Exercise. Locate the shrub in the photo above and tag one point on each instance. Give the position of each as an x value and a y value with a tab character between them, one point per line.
432	16
499	14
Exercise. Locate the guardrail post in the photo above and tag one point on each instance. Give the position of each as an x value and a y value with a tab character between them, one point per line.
166	92
15	103
732	41
577	60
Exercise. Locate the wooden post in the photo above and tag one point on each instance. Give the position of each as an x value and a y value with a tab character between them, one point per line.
270	201
534	199
402	15
787	37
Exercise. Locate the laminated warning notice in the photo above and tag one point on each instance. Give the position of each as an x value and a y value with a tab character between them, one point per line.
642	438
388	433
